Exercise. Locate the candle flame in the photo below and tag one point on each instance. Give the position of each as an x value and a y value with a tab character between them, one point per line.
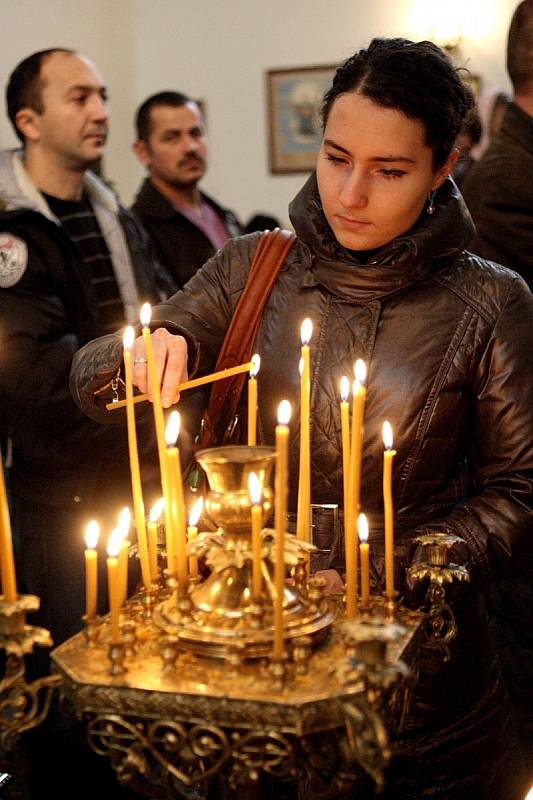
255	490
195	513
306	331
284	412
114	543
360	371
345	388
362	527
128	337
157	509
387	435
172	430
124	521
146	315
256	363
92	532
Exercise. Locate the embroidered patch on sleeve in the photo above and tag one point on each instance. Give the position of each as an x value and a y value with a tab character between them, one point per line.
13	259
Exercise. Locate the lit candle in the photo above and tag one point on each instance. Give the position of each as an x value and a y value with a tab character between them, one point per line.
155	514
354	484
92	533
365	570
281	488
255	491
145	316
304	482
252	400
113	548
178	502
345	435
7	562
192	533
136	490
124	522
388	455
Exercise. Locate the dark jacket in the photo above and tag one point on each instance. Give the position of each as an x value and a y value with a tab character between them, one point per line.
499	193
59	455
447	338
181	246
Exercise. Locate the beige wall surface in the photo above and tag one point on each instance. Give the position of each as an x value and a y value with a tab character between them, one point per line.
219	51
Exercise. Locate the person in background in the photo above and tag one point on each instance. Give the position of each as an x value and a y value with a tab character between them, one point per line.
467	139
380	267
499	188
492	105
186	225
261	222
73	264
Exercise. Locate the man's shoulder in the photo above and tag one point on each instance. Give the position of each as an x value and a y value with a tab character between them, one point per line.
150	203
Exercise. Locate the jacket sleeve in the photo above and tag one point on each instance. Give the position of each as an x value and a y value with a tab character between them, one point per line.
201	312
497	519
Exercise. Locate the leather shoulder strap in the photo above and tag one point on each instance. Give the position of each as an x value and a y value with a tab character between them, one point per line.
270	254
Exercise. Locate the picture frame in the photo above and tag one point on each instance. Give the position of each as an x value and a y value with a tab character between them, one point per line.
294	98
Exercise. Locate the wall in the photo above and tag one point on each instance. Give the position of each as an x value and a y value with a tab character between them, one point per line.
219	50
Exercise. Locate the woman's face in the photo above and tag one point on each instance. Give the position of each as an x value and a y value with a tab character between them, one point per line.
374	172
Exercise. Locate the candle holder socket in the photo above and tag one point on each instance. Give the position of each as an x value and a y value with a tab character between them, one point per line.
116	654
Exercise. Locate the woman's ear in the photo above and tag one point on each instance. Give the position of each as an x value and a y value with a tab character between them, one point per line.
446	169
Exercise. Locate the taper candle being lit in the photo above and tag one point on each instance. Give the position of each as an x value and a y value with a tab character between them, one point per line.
252	400
362	525
92	533
281	488
388	456
354	484
255	491
192	533
113	549
304	481
177	500
135	471
153	521
345	435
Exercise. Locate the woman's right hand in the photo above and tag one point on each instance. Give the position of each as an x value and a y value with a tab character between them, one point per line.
170	356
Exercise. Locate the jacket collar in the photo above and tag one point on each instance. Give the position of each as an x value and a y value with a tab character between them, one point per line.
518	126
153	204
430	244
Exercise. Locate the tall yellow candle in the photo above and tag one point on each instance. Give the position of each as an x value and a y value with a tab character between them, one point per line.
388	456
280	501
153	521
91	568
124	522
113	588
365	567
354	484
252	400
7	562
178	501
192	533
136	489
304	482
345	436
255	491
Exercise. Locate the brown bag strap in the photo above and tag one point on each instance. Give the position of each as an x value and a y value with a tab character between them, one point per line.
270	254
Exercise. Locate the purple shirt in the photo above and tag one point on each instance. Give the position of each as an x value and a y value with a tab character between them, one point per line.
207	220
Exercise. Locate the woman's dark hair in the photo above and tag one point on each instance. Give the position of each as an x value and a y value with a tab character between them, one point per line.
416	78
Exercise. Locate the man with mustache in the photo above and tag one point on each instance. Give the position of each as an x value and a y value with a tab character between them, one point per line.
186	225
72	263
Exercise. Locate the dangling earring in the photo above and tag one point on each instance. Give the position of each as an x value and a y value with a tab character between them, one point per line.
431	205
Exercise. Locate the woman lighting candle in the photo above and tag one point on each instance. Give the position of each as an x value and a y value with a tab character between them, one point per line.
388	456
153	522
136	489
304	482
362	525
179	544
281	488
113	588
354	484
192	533
252	400
92	533
255	491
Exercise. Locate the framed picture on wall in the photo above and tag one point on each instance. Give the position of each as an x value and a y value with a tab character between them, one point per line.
294	97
